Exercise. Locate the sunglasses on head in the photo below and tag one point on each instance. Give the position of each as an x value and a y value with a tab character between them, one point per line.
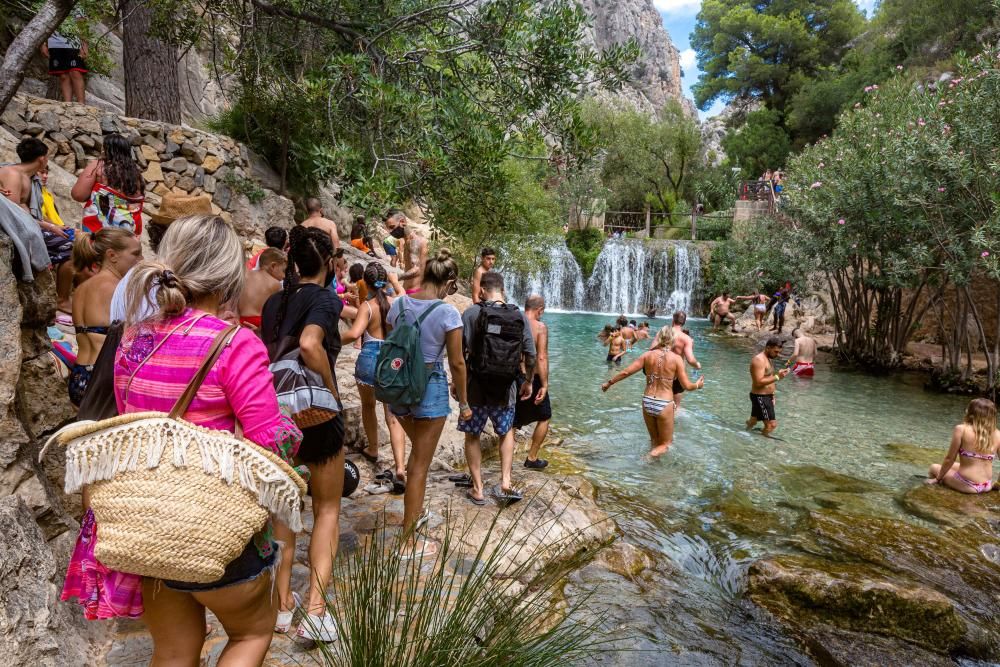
453	288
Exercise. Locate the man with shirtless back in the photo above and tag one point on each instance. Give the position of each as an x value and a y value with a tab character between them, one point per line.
683	346
260	285
762	382
487	258
536	408
314	218
414	260
626	330
719	313
803	356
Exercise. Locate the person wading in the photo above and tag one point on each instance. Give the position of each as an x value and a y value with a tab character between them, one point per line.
498	344
307	310
537	408
664	370
803	359
683	345
763	380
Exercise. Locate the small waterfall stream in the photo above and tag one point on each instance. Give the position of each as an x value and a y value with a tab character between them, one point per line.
629	276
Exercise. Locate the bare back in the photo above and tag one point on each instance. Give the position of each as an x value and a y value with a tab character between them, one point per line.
805	350
415	256
661	367
684	345
328	226
16	182
92	308
260	285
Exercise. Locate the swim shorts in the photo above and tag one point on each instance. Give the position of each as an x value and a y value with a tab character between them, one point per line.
501	416
526	412
390	249
59	248
677	387
62	61
804	369
762	407
611	359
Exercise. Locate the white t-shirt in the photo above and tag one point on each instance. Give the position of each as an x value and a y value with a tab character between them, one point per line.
57	41
118	304
434	328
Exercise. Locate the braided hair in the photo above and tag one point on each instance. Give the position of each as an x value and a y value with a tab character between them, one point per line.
121	171
309	250
375	278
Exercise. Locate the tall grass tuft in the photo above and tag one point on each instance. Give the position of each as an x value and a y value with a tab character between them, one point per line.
465	609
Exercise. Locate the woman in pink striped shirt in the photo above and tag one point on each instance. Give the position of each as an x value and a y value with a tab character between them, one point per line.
202	270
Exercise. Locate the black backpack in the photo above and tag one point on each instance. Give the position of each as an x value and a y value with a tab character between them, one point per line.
495	357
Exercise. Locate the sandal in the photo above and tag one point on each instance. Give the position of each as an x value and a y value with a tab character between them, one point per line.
284	621
379	487
474	500
463	481
420	548
505	497
398	485
369	457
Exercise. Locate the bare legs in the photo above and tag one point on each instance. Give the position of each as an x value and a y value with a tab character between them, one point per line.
77	83
397	440
64	284
537	438
397	437
769	425
424	435
474	459
506	460
369	419
176	622
326	485
661	430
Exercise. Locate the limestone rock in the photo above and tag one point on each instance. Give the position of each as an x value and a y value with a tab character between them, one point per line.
211	164
251	220
178	164
153	173
625	559
797	589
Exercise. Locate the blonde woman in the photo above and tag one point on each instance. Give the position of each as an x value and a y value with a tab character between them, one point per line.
108	254
200	268
662	366
974	444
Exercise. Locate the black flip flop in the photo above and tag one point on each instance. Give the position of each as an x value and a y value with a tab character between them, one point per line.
398	485
369	457
505	497
461	481
475	501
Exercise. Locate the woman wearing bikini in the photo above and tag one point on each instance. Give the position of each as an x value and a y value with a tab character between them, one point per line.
661	366
968	465
759	303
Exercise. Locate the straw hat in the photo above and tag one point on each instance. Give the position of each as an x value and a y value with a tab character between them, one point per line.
174	206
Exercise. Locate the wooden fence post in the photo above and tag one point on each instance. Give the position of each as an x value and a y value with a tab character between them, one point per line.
649	231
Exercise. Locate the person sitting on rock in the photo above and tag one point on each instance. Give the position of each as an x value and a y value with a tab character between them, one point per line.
112	188
359	236
112	252
974	443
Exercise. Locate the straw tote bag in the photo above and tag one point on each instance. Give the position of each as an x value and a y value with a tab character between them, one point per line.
174	500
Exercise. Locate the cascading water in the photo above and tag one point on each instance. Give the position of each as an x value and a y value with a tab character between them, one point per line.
629	276
561	283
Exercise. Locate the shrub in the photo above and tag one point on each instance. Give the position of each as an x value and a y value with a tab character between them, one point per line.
586	245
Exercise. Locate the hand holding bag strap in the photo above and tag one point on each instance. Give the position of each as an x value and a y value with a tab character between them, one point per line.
218	345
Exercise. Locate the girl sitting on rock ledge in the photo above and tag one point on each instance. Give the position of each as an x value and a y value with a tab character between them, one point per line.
974	444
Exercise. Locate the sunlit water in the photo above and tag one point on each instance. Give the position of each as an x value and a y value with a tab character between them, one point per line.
693	611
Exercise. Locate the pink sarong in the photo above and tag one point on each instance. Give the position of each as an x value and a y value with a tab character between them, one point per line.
102	593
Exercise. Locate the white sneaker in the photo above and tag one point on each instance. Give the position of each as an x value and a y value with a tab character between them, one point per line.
318	628
284	620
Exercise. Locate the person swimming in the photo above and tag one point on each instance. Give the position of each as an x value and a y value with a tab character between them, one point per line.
974	444
663	368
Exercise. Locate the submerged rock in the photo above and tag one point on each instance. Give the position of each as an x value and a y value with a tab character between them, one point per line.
801	590
843	648
907	453
936	503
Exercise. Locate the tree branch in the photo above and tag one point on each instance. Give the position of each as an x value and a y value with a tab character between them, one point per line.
20	52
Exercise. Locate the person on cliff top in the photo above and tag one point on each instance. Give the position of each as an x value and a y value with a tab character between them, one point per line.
112	188
274	237
370	327
260	285
500	354
315	218
683	346
536	409
395	223
487	260
67	62
664	370
360	238
968	465
719	313
22	185
112	253
803	359
763	380
307	310
440	326
414	260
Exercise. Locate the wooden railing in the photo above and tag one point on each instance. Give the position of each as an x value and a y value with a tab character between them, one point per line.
711	226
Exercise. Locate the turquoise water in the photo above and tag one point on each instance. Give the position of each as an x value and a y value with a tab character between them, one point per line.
838	433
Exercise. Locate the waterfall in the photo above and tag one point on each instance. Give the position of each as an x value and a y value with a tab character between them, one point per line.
561	283
629	276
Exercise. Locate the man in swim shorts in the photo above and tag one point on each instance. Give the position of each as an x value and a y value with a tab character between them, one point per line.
719	311
536	408
616	347
762	383
684	346
803	356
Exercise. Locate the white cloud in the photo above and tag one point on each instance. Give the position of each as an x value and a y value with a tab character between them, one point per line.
689	61
678	6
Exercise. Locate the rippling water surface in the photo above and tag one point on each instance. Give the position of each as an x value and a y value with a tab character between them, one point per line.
844	435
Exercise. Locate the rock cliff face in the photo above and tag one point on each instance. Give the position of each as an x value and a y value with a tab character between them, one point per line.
656	75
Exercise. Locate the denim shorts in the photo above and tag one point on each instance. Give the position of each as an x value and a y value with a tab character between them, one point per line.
390	249
364	369
435	403
249	565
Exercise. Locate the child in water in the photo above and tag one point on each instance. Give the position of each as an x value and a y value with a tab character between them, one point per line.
974	444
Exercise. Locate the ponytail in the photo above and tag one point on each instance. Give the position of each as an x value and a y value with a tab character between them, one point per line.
172	296
441	269
90	249
308	249
376	277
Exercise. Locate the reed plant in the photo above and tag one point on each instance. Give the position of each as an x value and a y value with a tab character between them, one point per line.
468	607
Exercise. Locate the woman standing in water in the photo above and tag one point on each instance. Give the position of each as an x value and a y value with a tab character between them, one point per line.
661	366
974	444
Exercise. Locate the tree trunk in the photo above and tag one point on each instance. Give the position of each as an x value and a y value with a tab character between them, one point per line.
152	89
15	61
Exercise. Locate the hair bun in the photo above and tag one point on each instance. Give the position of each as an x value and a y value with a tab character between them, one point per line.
444	254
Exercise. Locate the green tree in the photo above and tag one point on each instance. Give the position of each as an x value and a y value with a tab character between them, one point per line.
760	144
647	158
767	49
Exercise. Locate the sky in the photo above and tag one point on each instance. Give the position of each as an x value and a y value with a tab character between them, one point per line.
679	19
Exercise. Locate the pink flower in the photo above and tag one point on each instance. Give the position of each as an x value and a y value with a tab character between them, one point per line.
869	89
841	222
985	254
821	165
816	185
920	122
899	68
875	87
940	189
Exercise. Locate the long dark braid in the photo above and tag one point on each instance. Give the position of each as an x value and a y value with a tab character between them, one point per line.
375	278
121	171
309	250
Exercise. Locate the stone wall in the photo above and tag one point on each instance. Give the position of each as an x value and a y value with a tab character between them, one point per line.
174	158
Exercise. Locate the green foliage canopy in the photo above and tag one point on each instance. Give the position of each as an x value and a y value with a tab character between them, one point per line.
760	144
